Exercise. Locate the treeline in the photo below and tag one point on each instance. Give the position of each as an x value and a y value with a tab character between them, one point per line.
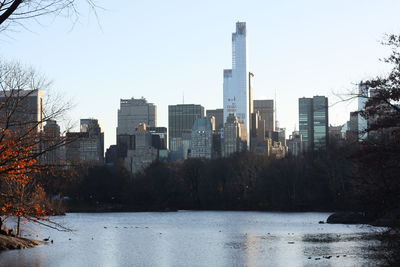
244	181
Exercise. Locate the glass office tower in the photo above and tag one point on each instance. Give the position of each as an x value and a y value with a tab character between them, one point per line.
313	122
236	80
320	117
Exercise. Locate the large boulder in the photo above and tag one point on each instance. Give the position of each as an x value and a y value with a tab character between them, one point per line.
349	218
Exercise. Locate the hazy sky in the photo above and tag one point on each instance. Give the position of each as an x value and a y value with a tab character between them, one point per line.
160	49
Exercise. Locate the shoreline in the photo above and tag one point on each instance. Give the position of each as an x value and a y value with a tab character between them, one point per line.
11	242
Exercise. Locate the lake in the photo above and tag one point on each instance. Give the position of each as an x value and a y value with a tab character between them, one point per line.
197	238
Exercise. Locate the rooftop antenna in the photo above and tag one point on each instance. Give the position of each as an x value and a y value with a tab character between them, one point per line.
183	97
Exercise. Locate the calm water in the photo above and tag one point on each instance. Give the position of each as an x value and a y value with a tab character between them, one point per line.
197	238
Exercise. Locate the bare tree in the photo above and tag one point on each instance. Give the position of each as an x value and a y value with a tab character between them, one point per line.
14	12
23	143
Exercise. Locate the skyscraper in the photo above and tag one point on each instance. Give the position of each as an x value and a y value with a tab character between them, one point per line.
306	121
180	121
51	140
86	145
202	139
143	153
266	110
218	114
237	81
234	139
132	112
22	110
313	122
321	125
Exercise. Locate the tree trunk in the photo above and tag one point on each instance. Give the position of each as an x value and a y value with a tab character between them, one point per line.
18	224
10	10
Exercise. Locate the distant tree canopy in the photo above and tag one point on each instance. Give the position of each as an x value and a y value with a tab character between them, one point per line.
15	12
244	181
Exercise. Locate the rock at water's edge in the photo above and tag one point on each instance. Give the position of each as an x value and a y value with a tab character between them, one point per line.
348	218
10	242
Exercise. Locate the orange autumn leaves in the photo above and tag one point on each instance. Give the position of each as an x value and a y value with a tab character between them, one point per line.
16	161
18	164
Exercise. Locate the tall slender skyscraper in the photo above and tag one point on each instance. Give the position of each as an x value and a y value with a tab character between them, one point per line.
237	91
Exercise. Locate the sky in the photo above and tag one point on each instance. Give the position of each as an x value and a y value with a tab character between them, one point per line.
162	50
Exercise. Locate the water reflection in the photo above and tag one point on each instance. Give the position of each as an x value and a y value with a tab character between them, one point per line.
197	239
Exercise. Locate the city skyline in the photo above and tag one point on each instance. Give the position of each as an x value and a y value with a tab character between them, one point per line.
321	48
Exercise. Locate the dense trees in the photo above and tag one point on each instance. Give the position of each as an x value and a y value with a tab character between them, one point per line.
244	181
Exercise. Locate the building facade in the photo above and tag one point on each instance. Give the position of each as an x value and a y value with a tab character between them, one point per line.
147	148
180	121
202	139
132	112
23	110
87	145
218	114
266	110
234	136
314	122
306	122
237	81
321	122
52	144
295	144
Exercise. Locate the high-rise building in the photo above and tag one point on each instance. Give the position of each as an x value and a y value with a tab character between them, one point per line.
180	121
143	152
313	122
202	139
258	142
51	143
321	122
86	145
23	110
95	147
234	136
295	144
306	122
159	136
237	81
132	112
218	114
352	131
148	147
266	110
